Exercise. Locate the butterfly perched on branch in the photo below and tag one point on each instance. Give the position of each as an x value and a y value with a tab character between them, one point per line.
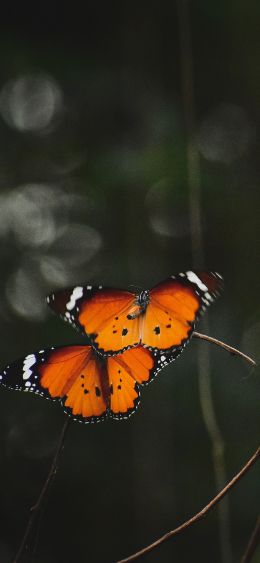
133	337
160	319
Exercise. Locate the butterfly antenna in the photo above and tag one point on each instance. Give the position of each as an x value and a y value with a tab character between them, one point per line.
135	287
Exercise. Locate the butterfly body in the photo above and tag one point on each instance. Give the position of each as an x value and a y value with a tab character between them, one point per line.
161	319
142	301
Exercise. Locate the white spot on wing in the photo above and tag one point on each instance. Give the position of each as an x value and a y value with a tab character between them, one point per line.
192	277
76	294
27	364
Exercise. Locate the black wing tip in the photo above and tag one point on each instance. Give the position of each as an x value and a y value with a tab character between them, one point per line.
218	277
208	284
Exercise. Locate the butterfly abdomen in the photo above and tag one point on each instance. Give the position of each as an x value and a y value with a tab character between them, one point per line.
141	302
104	380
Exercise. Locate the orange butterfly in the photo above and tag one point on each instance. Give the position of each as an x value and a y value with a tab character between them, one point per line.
161	319
90	387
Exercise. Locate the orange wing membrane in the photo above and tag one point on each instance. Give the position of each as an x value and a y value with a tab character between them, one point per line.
175	306
89	387
125	372
161	319
69	374
106	320
105	315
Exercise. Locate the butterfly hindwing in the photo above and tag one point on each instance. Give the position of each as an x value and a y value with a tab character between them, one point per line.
66	302
137	366
124	390
86	399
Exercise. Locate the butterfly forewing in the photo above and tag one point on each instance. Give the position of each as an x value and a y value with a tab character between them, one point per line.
102	314
116	320
85	398
175	306
163	330
60	368
70	374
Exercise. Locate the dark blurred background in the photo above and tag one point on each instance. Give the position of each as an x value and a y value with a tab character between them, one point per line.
93	180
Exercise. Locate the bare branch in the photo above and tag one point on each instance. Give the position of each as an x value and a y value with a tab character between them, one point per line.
199	515
36	507
229	349
252	544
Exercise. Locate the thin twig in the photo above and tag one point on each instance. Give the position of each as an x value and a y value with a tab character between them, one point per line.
217	449
199	515
252	544
225	346
36	507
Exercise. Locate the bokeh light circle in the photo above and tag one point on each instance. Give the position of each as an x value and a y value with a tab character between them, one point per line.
30	102
225	134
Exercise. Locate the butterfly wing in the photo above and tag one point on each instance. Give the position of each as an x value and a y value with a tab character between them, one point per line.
102	314
137	366
69	374
175	305
114	320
